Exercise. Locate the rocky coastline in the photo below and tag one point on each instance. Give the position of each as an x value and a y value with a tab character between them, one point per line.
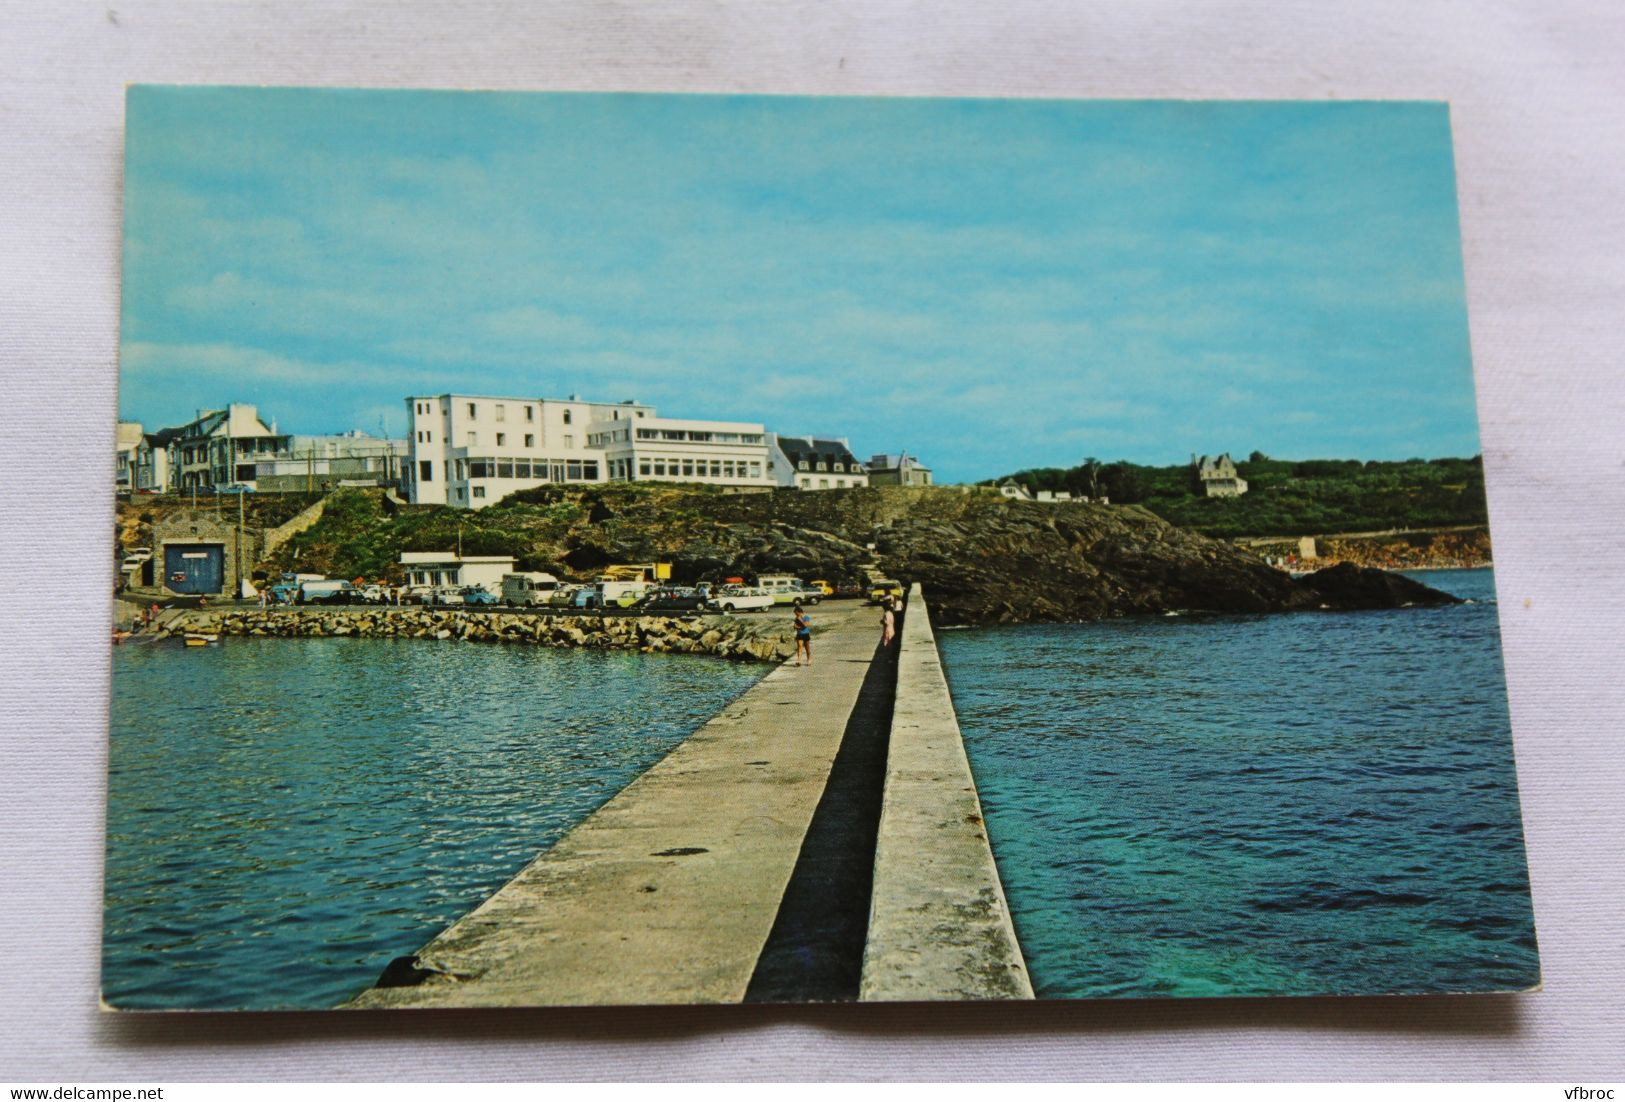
728	637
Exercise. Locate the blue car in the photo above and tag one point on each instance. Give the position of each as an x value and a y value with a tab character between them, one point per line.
476	595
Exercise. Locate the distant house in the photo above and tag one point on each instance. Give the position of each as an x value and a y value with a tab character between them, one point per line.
1052	495
1219	477
898	470
128	441
813	463
1014	490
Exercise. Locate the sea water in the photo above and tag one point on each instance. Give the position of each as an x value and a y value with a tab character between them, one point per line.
1310	803
285	816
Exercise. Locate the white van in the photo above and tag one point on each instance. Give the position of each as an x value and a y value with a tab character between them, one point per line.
528	589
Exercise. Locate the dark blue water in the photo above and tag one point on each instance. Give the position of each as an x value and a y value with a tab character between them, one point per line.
1316	803
286	816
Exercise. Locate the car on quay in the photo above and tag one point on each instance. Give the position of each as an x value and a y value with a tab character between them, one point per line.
478	595
564	596
528	589
883	589
328	591
739	598
673	599
823	587
443	595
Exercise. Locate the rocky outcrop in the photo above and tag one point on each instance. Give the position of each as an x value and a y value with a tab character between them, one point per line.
982	558
736	638
987	559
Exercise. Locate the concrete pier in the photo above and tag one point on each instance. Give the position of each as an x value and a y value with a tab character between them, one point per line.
668	893
939	924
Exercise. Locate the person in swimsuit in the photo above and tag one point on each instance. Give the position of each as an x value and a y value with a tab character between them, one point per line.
803	635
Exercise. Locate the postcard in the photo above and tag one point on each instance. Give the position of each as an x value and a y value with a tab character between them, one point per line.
582	549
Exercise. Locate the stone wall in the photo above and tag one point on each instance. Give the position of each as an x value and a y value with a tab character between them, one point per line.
731	637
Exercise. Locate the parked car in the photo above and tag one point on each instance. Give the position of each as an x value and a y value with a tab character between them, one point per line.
617	594
564	596
739	598
586	597
823	587
237	488
526	590
443	595
882	589
478	595
328	591
674	600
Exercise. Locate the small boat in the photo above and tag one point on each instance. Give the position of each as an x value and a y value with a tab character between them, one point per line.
198	639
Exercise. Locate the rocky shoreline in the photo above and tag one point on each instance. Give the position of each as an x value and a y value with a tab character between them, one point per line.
728	637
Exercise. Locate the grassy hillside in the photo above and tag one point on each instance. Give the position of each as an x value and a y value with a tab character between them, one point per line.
1286	497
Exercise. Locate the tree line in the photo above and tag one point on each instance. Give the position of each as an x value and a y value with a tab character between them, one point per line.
1286	497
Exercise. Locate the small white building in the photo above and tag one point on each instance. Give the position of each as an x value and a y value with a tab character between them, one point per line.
427	569
1014	490
127	441
814	463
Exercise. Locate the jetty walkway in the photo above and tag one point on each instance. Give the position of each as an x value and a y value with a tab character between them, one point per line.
818	839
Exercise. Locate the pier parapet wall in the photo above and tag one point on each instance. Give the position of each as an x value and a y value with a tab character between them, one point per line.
939	924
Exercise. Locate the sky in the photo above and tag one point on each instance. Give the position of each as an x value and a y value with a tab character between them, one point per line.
990	285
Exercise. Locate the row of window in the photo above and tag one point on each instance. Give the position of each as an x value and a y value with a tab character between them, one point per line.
824	484
823	465
571	470
697	436
698	468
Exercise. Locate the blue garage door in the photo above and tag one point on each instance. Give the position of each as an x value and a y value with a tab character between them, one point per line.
194	567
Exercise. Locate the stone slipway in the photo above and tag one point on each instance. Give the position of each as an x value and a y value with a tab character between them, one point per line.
939	925
668	892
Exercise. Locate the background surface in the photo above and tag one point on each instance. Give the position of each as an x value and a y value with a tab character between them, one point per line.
1540	149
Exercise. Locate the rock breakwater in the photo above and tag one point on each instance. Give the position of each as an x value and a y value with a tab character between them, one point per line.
729	637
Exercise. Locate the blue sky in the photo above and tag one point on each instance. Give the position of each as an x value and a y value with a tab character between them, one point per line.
989	284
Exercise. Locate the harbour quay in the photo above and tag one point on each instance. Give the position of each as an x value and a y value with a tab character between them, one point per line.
755	862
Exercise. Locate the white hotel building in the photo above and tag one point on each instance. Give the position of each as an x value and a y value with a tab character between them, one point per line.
469	451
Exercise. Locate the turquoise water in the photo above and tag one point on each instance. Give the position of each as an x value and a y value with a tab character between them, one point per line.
1254	805
286	816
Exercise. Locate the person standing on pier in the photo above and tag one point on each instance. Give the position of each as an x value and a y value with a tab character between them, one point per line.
803	635
888	625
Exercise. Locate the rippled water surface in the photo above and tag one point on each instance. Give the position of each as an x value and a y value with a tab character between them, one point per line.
286	816
1295	804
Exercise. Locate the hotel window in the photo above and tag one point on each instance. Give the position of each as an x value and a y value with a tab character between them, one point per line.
521	468
823	483
479	491
504	468
756	470
473	411
660	468
569	441
823	466
479	468
643	467
716	468
802	465
425	471
502	412
502	439
572	470
558	472
462	469
728	468
688	468
589	471
566	417
530	413
530	439
473	439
